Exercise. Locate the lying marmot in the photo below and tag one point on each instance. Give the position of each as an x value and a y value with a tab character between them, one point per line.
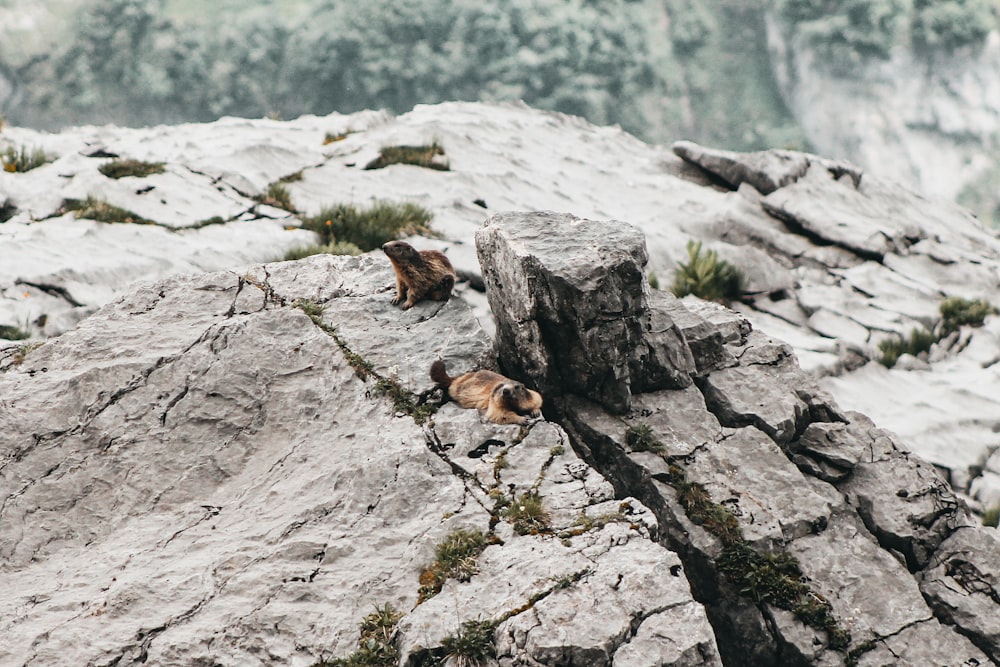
420	274
504	400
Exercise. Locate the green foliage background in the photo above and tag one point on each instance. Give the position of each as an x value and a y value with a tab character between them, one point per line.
663	69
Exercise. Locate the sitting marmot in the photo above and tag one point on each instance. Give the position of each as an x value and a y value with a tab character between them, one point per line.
504	400
420	274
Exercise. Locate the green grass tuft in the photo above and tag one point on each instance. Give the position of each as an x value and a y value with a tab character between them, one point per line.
278	196
421	156
707	277
472	645
10	332
957	312
642	439
454	558
17	161
375	646
919	340
137	168
991	516
371	227
528	514
93	208
333	248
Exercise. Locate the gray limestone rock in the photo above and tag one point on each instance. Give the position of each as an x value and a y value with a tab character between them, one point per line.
962	584
766	171
764	446
576	308
203	473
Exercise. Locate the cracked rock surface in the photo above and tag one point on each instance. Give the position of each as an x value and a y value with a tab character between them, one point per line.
202	473
872	528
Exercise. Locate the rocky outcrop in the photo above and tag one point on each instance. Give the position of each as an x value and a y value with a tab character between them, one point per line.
754	458
836	260
238	468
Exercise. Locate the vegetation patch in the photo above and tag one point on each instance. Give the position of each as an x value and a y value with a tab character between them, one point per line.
11	332
403	400
332	248
428	156
23	351
276	195
991	516
957	312
919	340
7	210
138	168
707	277
527	513
641	439
333	137
93	208
772	578
454	558
471	646
375	646
19	160
369	228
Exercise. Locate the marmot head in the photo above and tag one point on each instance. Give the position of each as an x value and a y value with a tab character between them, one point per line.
401	250
517	398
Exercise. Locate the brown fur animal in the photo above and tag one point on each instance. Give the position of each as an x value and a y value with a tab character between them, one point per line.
504	400
420	274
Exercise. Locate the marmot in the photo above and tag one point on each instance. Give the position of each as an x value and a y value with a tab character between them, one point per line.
423	274
504	400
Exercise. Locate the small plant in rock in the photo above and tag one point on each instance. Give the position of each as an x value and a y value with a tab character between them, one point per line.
138	168
527	513
278	196
10	332
93	208
375	647
991	516
332	248
7	209
957	312
333	137
919	340
707	277
472	645
23	351
454	558
654	281
428	156
369	228
24	159
642	439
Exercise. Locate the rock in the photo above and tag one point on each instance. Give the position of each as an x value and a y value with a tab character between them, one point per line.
594	308
962	584
792	472
766	171
229	468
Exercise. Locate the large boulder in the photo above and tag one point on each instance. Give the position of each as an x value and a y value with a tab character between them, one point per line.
751	471
238	468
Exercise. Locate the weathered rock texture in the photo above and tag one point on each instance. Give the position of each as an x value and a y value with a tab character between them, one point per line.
877	534
200	473
836	261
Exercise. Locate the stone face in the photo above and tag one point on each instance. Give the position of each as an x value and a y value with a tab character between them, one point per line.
962	583
576	308
201	474
799	476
